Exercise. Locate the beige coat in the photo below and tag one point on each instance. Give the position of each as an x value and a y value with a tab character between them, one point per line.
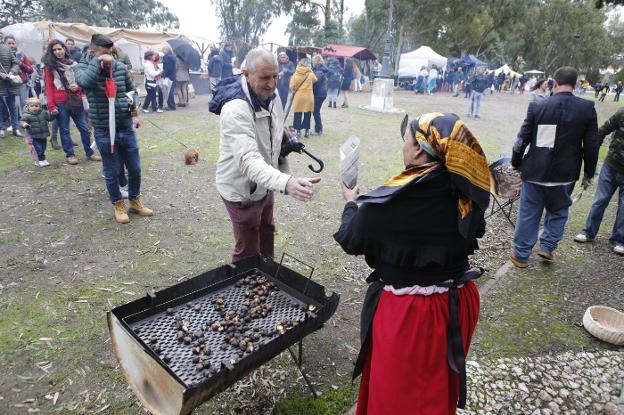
249	149
301	87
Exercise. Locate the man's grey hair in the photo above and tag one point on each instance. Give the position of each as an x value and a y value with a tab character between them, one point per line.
259	56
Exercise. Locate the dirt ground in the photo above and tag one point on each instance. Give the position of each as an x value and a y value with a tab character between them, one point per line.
64	262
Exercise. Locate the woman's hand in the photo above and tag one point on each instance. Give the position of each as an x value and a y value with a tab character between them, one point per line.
74	88
54	111
350	195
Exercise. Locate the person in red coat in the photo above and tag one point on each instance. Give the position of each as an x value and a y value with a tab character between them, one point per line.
60	84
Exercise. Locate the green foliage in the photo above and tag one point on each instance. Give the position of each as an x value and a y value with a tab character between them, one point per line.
245	20
115	13
331	402
304	25
531	33
15	11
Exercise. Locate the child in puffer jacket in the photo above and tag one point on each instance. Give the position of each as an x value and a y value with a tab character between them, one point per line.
36	119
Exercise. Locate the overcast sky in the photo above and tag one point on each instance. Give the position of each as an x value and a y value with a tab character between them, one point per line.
198	19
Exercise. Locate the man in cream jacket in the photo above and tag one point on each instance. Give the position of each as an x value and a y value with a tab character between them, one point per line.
249	168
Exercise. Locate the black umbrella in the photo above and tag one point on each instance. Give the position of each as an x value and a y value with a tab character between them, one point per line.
185	51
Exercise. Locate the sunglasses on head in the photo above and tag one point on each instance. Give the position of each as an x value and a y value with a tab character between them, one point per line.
404	126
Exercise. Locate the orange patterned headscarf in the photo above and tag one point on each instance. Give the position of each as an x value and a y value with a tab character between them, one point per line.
446	138
454	148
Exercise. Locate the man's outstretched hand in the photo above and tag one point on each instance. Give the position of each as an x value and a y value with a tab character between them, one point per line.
301	188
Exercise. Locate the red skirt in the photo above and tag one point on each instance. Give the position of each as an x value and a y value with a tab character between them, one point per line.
407	371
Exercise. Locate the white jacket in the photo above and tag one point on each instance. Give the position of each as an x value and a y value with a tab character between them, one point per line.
150	70
250	143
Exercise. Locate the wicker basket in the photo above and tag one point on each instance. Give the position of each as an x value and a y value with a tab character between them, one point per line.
605	323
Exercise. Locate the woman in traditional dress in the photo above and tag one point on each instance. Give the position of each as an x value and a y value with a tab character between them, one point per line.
416	232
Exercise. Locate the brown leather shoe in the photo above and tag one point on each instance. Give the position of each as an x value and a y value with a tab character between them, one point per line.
547	256
516	261
72	160
120	212
94	157
136	206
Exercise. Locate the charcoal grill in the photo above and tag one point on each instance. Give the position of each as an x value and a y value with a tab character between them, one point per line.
505	188
166	381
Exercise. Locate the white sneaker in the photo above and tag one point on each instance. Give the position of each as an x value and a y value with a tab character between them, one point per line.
124	192
10	129
582	238
146	111
618	249
159	110
43	163
2	135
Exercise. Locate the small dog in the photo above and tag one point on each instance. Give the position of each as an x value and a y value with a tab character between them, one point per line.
191	156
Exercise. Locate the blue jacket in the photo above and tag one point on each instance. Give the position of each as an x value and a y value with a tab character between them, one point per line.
333	73
215	65
320	86
169	67
563	133
226	64
229	89
480	83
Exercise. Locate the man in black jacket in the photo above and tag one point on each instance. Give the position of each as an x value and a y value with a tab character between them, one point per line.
562	132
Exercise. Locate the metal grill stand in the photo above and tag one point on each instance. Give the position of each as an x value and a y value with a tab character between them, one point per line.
165	372
298	359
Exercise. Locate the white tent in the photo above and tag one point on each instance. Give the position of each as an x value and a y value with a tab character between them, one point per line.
31	38
507	71
411	62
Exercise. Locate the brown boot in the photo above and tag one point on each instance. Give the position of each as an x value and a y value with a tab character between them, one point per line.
72	160
120	212
136	206
94	157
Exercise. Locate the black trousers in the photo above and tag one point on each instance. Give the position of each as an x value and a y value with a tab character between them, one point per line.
305	125
318	104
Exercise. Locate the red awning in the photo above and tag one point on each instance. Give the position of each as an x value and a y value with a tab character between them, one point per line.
346	51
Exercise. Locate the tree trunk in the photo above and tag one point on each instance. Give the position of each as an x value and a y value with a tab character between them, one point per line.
327	13
398	54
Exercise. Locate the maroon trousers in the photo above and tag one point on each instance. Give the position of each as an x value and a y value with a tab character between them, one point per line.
253	226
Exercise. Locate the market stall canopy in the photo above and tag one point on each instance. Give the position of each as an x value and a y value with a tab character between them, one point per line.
31	37
347	51
506	69
473	61
411	62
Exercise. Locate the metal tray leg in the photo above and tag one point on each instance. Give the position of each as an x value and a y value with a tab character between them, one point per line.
299	362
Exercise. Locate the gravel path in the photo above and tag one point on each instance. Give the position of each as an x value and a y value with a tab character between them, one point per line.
568	383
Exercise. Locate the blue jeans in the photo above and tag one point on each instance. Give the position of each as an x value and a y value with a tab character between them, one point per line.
332	94
475	104
81	123
40	145
608	182
171	98
9	112
534	198
318	123
126	149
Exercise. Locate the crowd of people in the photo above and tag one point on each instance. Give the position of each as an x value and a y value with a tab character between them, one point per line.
311	82
415	231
